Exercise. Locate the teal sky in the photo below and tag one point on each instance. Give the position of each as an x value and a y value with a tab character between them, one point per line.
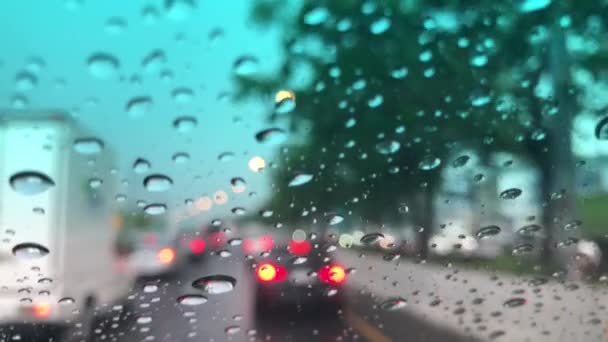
63	35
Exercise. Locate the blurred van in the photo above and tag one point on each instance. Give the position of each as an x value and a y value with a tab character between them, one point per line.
58	264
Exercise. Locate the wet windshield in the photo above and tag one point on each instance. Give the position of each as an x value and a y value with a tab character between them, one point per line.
270	170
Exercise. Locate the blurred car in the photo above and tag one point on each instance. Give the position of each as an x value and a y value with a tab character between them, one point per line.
300	276
60	262
156	254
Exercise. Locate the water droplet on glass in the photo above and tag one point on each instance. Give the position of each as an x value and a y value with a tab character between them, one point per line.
103	66
235	242
285	102
573	225
88	146
371	238
139	106
150	288
25	81
461	161
393	304
192	299
238	211
487	232
158	183
180	157
333	218
530	229
29	251
215	284
380	26
30	182
238	184
154	61
144	320
184	124
182	95
429	163
225	156
514	302
141	166
522	249
66	301
232	330
155	209
115	25
95	183
245	66
388	147
300	179
271	136
601	129
533	5
316	16
179	9
512	193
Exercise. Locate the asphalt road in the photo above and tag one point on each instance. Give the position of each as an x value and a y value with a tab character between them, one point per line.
443	304
152	313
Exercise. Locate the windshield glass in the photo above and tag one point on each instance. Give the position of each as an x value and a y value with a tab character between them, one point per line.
269	170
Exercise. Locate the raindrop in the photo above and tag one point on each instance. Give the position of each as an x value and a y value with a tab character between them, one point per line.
225	156
182	95
224	253
393	304
285	105
514	302
271	136
235	242
333	218
157	183
573	225
30	182
238	184
232	330
180	157
533	5
245	66
300	179
150	288
512	193
88	146
103	66
238	211
487	232
25	81
141	166
461	161
215	284
155	209
179	9
66	301
522	249
29	251
316	16
192	299
138	106
266	213
95	183
184	124
371	238
380	26
144	320
115	25
530	229
154	61
429	163
601	129
388	147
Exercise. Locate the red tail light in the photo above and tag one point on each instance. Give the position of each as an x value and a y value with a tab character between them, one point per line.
166	255
197	246
248	246
267	273
266	243
332	274
299	247
41	310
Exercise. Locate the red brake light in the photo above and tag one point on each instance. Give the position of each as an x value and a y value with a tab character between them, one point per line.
197	246
299	247
248	246
166	255
266	243
267	273
41	310
332	274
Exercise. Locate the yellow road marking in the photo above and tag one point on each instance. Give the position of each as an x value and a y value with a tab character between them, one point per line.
364	328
